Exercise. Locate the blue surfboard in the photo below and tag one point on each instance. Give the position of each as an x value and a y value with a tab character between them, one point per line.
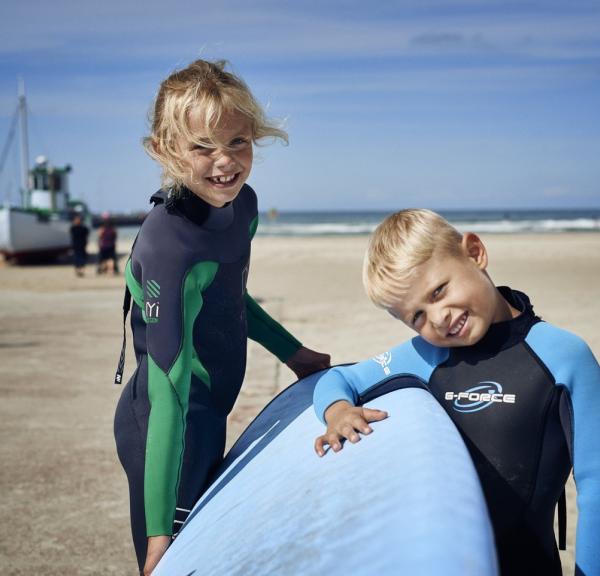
404	500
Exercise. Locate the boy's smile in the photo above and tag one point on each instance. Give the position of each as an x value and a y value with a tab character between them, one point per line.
217	174
451	300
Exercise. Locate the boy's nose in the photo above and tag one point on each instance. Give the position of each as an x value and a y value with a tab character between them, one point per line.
441	319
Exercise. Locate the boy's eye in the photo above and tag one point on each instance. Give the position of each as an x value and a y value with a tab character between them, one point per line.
416	317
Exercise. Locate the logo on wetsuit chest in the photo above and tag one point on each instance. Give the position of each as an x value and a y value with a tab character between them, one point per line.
152	304
479	397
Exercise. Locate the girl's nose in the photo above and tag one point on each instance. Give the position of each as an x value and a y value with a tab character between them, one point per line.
223	158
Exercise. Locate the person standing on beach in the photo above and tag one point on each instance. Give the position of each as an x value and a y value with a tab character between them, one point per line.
191	313
107	246
79	237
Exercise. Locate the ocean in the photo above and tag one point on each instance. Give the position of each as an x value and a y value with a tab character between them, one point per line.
479	221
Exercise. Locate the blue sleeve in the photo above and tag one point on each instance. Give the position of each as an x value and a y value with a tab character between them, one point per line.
573	366
413	358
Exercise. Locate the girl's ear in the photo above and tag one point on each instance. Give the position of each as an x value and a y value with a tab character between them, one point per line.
475	250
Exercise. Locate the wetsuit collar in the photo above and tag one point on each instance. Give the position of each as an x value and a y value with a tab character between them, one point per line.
205	215
502	335
196	209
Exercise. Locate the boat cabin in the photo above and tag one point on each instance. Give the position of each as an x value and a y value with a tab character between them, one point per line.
48	186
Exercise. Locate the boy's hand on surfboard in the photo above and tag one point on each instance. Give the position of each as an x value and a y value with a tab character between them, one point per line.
305	362
157	546
346	421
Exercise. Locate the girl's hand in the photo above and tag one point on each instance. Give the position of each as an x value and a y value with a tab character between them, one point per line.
305	362
157	546
346	421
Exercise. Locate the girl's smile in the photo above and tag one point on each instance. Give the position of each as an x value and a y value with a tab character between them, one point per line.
224	181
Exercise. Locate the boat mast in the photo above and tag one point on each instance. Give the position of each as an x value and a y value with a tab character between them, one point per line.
24	139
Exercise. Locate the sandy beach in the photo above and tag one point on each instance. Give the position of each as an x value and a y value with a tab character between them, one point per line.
63	494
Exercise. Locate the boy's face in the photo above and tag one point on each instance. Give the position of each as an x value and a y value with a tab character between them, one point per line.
451	301
218	174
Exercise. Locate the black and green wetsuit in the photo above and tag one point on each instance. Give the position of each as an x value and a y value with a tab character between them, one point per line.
190	318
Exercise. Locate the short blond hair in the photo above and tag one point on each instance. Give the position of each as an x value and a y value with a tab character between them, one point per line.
207	87
399	244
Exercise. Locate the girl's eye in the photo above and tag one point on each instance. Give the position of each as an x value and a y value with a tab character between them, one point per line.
438	290
238	142
201	149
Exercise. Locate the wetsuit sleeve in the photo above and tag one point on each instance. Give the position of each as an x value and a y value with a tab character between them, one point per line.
263	329
413	358
573	366
170	299
269	333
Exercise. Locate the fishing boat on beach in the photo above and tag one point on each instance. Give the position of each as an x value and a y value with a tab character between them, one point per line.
38	229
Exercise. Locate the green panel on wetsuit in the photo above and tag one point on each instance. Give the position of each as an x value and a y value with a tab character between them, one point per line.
263	329
253	226
169	395
269	333
135	288
164	451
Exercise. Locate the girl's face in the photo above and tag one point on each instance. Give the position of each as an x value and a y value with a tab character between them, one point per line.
217	174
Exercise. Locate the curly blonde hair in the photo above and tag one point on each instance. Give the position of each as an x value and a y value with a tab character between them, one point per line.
399	244
207	87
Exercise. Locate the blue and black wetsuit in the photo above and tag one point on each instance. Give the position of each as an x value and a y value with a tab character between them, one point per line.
526	399
191	317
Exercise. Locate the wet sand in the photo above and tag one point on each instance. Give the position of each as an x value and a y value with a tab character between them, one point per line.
63	495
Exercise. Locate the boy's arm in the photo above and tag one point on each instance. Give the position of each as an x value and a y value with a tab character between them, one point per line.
335	397
573	366
339	390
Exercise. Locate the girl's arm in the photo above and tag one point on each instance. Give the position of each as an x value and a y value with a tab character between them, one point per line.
170	302
277	340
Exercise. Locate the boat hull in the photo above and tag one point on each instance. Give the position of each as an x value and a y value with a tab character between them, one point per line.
29	235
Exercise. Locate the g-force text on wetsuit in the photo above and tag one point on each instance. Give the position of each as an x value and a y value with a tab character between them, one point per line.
479	397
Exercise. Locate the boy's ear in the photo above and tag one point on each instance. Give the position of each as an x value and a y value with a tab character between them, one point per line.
475	250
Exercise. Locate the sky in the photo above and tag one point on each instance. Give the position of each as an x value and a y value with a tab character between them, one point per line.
466	104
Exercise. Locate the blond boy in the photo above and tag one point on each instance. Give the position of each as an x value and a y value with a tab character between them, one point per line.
524	394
